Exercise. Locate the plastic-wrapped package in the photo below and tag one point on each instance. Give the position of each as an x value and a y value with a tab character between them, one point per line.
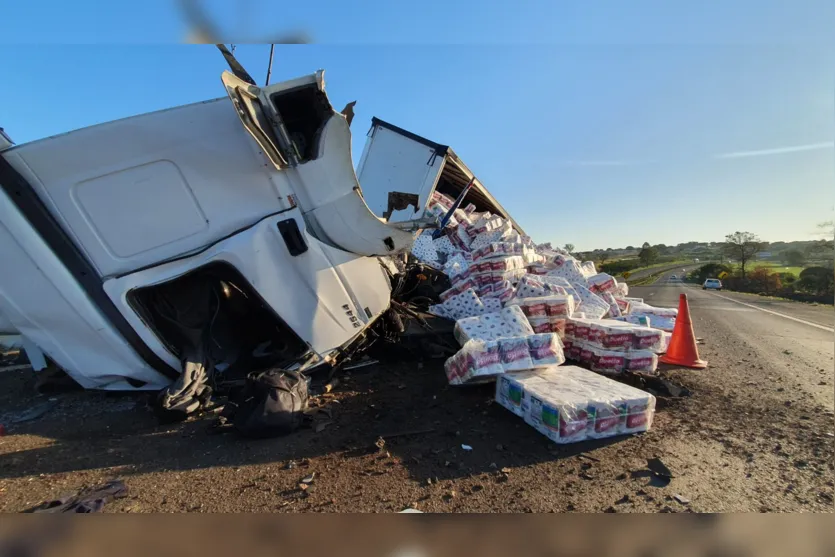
607	361
540	325
495	249
451	368
646	338
469	209
515	354
568	404
533	308
622	290
602	282
466	304
614	308
646	309
510	390
443	245
557	410
424	250
443	199
558	325
641	360
506	263
623	305
507	323
588	269
610	335
545	349
561	286
559	305
530	286
567	268
489	224
502	290
491	304
593	305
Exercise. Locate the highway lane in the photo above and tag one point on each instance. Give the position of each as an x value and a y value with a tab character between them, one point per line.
761	419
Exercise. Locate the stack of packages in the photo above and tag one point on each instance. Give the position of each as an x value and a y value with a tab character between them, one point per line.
613	347
570	404
499	342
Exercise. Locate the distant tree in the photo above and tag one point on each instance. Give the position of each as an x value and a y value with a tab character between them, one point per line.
602	257
817	279
648	255
630	248
569	248
662	249
793	257
645	245
743	247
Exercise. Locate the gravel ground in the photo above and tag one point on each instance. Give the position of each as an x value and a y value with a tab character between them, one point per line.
741	442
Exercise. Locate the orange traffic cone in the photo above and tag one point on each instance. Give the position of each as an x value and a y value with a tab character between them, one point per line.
682	350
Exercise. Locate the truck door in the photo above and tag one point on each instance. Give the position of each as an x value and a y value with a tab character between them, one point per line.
302	135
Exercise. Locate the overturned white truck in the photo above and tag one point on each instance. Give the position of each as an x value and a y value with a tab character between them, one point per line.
234	229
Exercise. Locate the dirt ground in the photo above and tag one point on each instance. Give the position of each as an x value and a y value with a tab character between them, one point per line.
728	449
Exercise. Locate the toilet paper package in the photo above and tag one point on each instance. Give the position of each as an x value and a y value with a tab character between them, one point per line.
515	354
424	250
510	390
507	323
611	335
540	325
602	282
614	307
545	349
443	245
568	404
607	361
466	304
562	286
491	305
646	309
641	361
646	338
530	286
622	290
592	305
559	305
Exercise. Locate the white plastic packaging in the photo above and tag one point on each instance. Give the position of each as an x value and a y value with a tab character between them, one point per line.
568	404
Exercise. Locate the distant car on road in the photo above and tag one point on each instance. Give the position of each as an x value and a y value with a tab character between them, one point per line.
673	277
713	284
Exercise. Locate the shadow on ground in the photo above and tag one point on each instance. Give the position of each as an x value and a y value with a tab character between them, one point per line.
424	422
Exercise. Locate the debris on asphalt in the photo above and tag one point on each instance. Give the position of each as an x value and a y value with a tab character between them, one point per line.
88	500
33	413
657	467
410	510
681	499
466	447
309	478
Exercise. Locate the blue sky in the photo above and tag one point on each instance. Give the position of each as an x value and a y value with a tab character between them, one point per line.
648	125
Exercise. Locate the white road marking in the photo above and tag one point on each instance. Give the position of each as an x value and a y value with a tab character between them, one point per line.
831	330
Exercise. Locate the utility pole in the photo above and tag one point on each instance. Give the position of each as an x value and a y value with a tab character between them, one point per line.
270	65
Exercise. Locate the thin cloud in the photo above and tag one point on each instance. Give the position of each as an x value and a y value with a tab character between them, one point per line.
778	150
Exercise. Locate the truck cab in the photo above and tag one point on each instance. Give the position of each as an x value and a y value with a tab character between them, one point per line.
234	224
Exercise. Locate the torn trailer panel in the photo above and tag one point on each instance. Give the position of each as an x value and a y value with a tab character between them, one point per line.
399	171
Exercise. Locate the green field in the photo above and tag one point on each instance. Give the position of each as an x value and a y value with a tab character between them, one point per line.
776	267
